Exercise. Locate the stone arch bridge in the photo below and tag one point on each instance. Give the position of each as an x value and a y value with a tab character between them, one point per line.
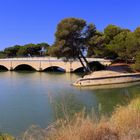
42	63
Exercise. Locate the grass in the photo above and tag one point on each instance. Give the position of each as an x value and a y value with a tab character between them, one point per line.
6	137
124	124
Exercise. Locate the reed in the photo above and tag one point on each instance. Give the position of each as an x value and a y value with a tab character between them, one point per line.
124	124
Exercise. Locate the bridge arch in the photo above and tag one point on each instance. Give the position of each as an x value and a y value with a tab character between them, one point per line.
24	67
95	66
78	69
3	68
54	68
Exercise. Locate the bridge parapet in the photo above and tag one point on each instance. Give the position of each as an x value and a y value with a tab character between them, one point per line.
41	63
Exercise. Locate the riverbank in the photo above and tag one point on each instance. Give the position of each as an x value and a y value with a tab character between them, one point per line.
107	77
124	124
40	100
118	73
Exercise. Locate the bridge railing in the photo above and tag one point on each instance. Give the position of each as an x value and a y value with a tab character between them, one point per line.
50	59
32	59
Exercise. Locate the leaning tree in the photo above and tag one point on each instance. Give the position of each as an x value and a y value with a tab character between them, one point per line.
72	37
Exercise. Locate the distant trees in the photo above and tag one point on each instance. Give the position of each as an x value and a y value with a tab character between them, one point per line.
136	66
119	45
97	45
111	31
23	51
12	51
74	36
101	44
2	54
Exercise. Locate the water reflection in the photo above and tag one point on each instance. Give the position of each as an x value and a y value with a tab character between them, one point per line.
39	98
109	97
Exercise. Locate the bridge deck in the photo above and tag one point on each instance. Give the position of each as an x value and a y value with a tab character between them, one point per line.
41	63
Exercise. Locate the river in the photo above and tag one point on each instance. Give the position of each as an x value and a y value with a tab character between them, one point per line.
28	98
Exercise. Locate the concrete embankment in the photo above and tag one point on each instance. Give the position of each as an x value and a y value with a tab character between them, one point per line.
107	77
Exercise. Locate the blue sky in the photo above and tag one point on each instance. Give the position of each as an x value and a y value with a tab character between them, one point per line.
35	21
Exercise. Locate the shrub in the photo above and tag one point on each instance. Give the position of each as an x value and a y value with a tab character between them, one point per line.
6	137
136	66
123	125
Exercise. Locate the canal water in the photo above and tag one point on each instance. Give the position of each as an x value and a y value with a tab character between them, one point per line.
33	98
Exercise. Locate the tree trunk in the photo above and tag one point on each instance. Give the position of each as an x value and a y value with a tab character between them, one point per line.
87	64
82	63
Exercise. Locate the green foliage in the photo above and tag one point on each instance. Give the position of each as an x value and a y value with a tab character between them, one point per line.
22	51
99	43
12	51
6	137
32	49
136	66
97	46
119	45
137	32
2	54
54	51
72	35
111	31
133	43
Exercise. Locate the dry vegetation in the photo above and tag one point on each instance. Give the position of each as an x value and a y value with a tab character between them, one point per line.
124	124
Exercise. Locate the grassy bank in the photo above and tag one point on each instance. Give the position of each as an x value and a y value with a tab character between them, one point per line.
6	137
124	124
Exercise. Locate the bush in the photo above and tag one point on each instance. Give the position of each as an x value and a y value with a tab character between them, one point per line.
123	125
136	66
6	137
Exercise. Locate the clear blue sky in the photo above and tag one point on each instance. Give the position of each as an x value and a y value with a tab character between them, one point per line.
35	21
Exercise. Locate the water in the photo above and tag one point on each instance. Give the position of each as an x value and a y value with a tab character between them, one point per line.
28	98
